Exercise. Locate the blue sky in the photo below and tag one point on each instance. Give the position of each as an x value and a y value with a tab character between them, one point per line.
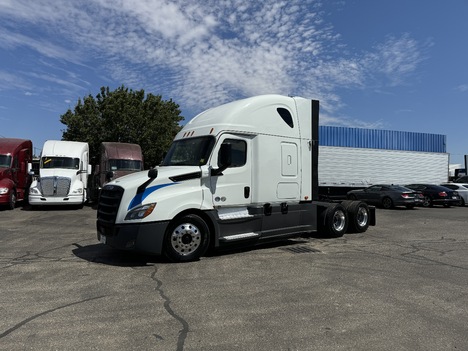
399	65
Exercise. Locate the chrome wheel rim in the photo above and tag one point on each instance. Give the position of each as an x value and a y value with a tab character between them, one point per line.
362	216
185	238
339	221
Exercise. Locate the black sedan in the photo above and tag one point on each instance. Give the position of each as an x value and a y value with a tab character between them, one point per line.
387	196
436	195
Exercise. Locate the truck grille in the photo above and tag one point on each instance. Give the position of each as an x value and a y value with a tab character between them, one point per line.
55	186
109	202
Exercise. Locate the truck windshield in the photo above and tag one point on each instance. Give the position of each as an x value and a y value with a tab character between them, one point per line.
5	161
189	152
60	162
125	165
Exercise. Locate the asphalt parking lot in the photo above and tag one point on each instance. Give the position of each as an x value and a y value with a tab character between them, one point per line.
402	285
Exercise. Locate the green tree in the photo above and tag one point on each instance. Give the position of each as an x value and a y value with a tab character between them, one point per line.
125	116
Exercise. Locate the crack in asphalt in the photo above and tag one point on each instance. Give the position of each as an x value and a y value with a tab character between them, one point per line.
167	306
415	249
30	256
27	320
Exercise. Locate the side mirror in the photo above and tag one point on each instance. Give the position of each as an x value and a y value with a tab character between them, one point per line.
109	176
224	159
152	173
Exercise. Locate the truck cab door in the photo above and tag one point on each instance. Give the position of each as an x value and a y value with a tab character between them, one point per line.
232	187
15	171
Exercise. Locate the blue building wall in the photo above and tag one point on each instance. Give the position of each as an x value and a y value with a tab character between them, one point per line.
381	139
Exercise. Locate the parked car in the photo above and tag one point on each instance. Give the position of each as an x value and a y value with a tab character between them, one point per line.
462	179
387	196
461	189
436	194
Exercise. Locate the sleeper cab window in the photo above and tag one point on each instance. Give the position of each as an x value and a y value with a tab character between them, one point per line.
238	152
286	116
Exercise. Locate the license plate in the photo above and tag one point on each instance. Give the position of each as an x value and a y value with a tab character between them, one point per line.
102	239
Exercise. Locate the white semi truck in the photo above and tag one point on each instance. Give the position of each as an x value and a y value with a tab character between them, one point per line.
63	174
243	172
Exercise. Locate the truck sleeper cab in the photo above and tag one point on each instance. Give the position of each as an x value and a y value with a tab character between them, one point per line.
242	172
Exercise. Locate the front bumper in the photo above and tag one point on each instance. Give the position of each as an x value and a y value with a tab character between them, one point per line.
144	237
5	198
67	200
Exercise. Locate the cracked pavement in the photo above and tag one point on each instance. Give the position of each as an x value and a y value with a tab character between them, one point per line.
399	286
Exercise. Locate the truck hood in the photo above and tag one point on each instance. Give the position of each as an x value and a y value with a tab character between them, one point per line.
164	175
167	176
5	177
57	172
4	173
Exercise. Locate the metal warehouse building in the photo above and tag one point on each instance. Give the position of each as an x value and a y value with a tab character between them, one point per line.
356	157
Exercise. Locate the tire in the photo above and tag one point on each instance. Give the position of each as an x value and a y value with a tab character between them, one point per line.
186	239
12	200
387	203
427	201
358	216
334	221
462	202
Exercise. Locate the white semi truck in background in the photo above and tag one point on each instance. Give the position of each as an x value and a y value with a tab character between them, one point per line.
243	172
63	174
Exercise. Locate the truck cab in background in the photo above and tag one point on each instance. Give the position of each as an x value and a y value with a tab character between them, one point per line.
115	160
15	164
63	174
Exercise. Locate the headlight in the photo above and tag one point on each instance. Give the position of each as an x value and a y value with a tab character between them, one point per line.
34	191
3	191
140	212
77	191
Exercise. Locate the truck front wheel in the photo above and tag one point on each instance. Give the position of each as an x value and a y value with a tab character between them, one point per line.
187	238
12	200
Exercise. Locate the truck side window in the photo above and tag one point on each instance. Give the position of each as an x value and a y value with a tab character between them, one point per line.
238	152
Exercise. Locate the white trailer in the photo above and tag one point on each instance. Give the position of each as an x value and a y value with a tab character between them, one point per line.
242	172
63	174
344	168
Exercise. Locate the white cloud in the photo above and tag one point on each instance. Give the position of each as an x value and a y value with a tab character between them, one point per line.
10	81
395	58
203	53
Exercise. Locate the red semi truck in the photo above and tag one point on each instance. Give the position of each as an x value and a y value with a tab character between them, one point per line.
15	164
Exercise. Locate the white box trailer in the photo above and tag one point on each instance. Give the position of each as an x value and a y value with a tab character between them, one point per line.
63	174
242	172
341	169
